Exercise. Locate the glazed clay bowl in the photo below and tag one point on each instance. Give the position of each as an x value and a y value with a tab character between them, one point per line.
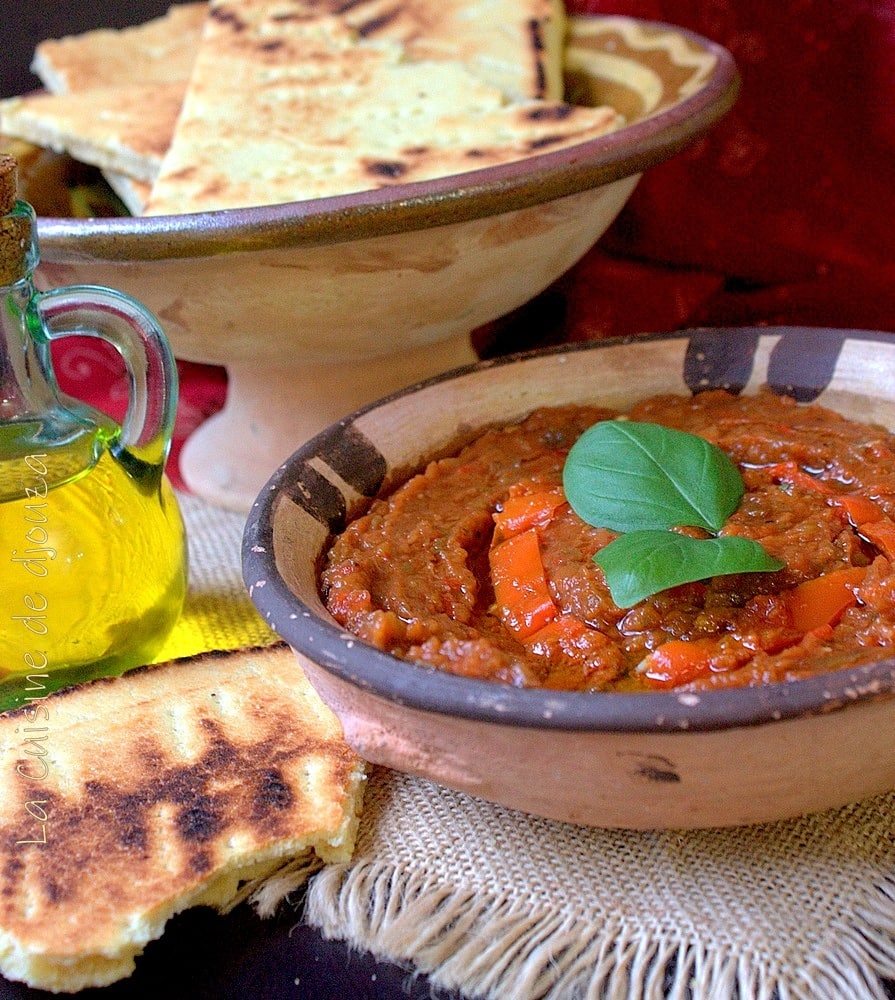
317	307
653	760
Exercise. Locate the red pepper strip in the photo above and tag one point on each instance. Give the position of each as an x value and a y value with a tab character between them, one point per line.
821	601
520	584
860	509
880	533
566	629
524	511
678	661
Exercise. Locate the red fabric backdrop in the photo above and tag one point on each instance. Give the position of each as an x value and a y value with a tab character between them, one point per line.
783	214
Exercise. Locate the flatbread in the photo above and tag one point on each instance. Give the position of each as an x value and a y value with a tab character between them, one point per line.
158	51
157	791
304	98
124	128
133	193
515	45
287	103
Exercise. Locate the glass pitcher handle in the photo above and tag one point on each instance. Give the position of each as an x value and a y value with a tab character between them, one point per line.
93	311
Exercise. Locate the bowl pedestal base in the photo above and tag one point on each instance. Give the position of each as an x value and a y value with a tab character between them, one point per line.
272	409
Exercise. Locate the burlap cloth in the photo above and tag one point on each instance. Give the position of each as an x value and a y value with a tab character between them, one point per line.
499	904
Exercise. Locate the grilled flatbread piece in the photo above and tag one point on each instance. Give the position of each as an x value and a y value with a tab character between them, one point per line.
515	45
304	99
125	801
158	51
133	193
286	106
123	128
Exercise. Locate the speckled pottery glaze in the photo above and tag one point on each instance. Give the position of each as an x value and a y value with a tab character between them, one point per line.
644	761
317	307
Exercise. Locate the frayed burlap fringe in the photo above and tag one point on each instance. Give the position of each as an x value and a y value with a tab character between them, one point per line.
265	895
266	892
497	947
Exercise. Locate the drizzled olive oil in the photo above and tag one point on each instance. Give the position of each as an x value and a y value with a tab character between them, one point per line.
95	570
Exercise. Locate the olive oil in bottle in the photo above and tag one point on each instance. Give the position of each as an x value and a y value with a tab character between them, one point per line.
92	548
96	568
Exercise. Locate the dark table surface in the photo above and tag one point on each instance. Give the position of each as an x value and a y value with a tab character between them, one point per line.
205	956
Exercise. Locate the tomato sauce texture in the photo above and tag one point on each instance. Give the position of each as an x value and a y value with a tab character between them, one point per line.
478	565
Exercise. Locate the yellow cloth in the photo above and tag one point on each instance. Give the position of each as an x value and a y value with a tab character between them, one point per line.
218	613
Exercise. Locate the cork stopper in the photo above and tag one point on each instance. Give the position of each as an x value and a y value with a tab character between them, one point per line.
16	230
9	172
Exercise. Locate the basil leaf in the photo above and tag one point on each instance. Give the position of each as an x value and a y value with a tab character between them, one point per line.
630	476
642	563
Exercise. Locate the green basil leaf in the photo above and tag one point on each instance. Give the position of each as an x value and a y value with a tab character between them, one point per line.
642	563
631	476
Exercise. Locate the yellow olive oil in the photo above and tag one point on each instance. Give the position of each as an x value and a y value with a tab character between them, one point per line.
92	563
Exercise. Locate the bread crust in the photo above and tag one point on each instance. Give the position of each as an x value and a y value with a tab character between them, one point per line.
235	103
127	800
314	99
157	51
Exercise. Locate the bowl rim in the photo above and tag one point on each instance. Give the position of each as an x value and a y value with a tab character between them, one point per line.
353	662
414	206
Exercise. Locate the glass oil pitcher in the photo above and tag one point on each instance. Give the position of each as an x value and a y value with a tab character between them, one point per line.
92	545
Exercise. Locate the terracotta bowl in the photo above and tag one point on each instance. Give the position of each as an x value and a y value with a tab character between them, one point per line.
620	760
318	307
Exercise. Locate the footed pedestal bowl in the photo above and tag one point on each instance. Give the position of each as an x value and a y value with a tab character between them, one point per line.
317	307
